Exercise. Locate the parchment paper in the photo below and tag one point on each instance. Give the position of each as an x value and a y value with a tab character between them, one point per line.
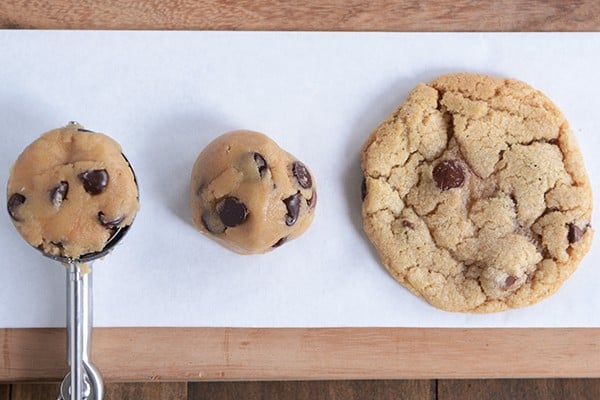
165	95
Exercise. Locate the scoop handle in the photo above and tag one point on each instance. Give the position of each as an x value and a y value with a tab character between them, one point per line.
84	381
78	309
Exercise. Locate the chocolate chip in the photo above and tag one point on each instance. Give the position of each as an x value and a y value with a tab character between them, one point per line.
232	211
94	181
450	126
407	224
448	174
14	202
312	202
509	281
302	175
292	204
363	189
110	224
261	164
575	233
59	193
280	242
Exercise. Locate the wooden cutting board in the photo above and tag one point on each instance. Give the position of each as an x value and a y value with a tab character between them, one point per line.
309	15
189	354
178	354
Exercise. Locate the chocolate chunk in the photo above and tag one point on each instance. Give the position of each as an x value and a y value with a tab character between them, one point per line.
261	164
292	204
407	224
508	282
94	181
312	202
14	202
232	211
110	224
448	174
280	242
302	175
59	193
575	233
363	189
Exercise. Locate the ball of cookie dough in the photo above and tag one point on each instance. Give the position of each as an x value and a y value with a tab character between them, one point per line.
475	194
249	194
70	190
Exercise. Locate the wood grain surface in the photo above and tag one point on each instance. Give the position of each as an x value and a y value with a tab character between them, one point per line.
4	392
321	390
146	391
113	391
497	389
42	391
194	354
332	15
511	389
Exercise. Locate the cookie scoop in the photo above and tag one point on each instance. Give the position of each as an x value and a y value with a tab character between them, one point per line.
73	195
250	195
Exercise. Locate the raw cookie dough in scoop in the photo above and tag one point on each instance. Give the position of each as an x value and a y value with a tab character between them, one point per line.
250	195
70	190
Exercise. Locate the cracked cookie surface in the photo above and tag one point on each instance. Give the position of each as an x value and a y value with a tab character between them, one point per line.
475	194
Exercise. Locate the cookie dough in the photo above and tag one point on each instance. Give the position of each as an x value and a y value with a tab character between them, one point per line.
249	194
475	194
70	190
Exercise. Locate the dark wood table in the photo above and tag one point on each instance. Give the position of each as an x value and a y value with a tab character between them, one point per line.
553	364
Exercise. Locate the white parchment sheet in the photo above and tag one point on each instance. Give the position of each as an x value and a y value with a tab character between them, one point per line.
165	95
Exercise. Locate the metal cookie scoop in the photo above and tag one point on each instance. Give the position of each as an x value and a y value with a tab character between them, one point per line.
84	382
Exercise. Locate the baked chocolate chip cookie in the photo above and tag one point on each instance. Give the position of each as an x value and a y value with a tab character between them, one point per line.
70	190
249	194
475	194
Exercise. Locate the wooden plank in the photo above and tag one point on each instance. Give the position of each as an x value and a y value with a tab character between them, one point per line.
113	391
40	354
4	392
147	391
176	354
335	15
43	391
315	390
510	389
